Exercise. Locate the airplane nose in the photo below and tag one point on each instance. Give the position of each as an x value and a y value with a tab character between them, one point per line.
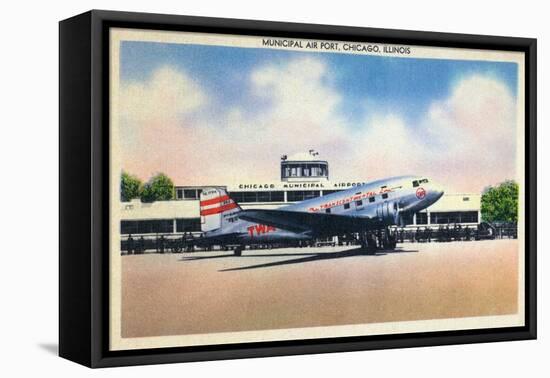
426	195
437	191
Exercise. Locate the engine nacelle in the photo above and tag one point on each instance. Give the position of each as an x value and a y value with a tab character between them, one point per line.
387	213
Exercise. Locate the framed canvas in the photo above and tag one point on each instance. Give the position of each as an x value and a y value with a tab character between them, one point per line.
234	188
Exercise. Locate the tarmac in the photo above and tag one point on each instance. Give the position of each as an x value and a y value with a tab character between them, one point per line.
205	292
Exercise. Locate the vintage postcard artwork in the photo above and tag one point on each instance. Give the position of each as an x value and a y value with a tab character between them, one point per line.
280	189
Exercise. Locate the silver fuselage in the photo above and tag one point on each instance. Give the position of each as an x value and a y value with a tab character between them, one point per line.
383	201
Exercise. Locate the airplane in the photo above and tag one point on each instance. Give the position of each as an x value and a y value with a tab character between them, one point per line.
365	212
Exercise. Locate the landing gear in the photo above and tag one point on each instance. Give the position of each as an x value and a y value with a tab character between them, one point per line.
238	250
381	239
368	242
388	241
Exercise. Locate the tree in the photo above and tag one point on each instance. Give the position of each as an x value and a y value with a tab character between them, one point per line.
130	187
159	188
500	203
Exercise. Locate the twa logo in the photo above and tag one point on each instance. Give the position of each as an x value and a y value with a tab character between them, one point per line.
420	193
260	229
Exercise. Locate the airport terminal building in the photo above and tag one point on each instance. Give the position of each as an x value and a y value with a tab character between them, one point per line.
303	176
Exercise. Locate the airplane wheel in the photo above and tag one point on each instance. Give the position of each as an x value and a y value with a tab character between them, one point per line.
389	244
368	250
238	252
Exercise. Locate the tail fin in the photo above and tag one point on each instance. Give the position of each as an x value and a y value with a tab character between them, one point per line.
217	209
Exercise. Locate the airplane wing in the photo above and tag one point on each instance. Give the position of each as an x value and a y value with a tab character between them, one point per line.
319	224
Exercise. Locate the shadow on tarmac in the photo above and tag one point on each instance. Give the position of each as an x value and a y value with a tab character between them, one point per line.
304	257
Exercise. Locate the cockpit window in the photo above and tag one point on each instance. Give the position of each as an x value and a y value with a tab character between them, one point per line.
418	182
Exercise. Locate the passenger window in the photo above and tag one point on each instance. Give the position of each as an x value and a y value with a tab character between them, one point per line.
385	195
327	211
371	199
346	206
359	203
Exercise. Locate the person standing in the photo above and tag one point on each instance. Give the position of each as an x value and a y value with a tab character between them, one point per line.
130	245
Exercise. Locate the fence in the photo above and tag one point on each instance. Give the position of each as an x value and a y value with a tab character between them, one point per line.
186	242
457	232
158	243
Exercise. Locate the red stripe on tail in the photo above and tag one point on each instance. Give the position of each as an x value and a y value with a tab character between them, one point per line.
220	209
214	200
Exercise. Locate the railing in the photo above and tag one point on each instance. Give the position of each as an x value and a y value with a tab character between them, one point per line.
457	232
170	243
162	243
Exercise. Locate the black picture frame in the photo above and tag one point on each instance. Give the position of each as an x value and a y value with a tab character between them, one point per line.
84	210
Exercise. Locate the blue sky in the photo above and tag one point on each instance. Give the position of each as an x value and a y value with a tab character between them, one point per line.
181	104
406	86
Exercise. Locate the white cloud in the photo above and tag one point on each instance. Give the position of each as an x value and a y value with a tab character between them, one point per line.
154	114
298	98
386	147
166	95
465	141
298	90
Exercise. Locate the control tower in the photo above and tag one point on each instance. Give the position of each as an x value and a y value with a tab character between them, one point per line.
304	167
